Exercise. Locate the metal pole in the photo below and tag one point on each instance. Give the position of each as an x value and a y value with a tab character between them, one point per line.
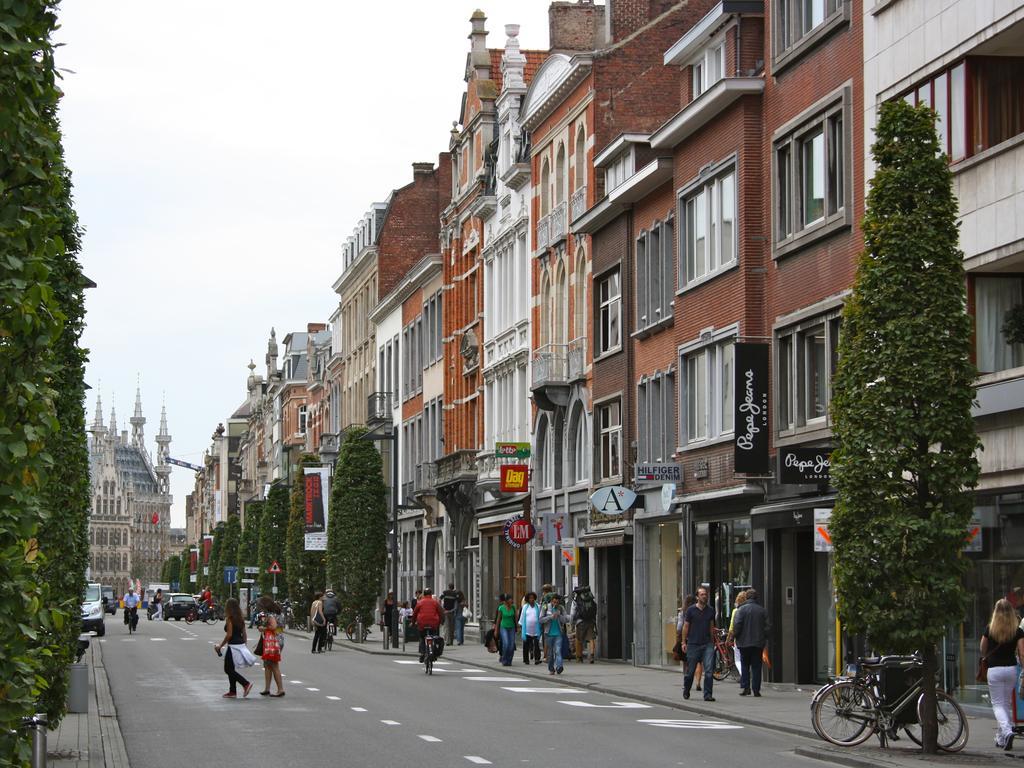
394	534
38	725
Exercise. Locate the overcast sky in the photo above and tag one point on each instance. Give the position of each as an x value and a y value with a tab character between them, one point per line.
221	153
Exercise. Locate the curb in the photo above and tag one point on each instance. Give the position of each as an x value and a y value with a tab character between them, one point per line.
104	727
828	756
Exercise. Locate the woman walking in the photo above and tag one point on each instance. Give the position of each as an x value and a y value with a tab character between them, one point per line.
1001	645
741	598
506	621
270	646
238	654
318	622
529	620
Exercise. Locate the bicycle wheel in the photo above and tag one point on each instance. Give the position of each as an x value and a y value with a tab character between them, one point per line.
330	640
724	666
190	617
952	722
350	630
845	714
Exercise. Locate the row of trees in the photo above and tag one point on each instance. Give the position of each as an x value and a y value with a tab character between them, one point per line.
44	463
274	530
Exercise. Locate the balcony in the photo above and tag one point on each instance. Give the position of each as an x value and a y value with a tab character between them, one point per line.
577	359
424	479
516	175
578	203
378	408
455	467
558	223
551	376
543	231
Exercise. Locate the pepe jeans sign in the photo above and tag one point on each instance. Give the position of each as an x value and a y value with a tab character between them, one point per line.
751	416
804	466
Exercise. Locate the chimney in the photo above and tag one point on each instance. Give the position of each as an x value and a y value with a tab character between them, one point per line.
625	17
479	58
422	169
315	327
576	26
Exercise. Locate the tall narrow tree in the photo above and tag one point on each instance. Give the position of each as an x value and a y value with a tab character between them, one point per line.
306	575
248	544
229	553
905	461
273	529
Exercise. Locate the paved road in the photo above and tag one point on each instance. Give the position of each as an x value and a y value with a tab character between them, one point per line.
380	711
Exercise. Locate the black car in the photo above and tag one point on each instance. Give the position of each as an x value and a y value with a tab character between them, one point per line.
109	599
177	605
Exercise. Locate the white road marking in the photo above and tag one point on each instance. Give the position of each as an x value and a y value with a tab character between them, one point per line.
313	689
613	705
127	639
406	661
503	679
334	698
426	737
158	639
297	682
712	725
478	760
186	638
358	709
516	689
390	722
459	671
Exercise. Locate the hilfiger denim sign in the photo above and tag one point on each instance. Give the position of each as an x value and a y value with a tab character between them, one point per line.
750	422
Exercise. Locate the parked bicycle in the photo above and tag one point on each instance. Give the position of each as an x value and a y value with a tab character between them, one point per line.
884	696
351	630
725	657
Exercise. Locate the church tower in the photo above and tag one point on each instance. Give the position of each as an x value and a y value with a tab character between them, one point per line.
163	442
138	422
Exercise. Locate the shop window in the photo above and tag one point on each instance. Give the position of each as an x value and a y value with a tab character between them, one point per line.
993	297
609	296
807	356
656	434
709	227
707	390
654	275
610	420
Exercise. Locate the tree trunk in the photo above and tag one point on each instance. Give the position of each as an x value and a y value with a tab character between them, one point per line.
929	722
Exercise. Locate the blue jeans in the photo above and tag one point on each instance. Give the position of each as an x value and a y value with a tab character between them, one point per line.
554	645
460	628
704	654
508	644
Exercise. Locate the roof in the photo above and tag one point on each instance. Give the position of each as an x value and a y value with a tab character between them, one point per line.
242	411
133	467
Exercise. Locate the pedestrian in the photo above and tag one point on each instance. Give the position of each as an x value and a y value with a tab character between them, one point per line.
750	628
238	654
451	601
270	646
546	591
415	597
687	602
388	609
464	615
584	619
741	598
318	622
698	624
529	622
1002	644
505	620
553	622
158	605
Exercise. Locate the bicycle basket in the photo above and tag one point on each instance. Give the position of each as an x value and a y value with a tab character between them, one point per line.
896	676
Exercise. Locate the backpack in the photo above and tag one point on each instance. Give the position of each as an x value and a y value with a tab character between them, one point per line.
588	607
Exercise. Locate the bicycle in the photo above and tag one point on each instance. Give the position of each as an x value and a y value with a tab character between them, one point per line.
429	635
332	630
131	618
725	657
350	631
884	696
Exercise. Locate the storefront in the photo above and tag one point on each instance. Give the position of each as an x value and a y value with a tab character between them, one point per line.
503	567
658	564
612	552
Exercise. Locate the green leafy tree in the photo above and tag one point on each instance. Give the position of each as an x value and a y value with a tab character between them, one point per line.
273	530
357	526
306	574
186	571
902	407
249	543
34	219
229	553
171	570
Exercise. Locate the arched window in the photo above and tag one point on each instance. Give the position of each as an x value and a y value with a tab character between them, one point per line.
560	175
545	454
545	310
581	158
579	298
560	318
545	185
579	453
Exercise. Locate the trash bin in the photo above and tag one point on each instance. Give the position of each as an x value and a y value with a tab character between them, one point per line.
78	688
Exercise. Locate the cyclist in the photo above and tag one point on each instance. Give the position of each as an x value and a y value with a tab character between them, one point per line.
331	607
428	617
131	609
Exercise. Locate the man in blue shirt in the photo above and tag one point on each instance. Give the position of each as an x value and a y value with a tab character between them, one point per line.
698	646
131	608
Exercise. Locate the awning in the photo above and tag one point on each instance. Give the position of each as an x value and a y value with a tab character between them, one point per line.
792	513
603	539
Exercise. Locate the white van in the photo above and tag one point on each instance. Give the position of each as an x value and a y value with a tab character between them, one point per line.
92	609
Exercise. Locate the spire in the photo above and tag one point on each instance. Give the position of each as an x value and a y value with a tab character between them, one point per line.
138	421
97	421
272	355
163	442
113	418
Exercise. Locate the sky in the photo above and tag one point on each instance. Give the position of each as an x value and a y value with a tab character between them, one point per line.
221	153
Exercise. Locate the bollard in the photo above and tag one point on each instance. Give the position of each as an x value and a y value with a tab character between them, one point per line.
359	631
37	724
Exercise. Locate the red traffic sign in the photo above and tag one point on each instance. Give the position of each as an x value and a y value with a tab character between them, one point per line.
274	567
518	531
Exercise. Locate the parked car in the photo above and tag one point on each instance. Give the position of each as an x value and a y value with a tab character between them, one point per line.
109	599
177	605
92	610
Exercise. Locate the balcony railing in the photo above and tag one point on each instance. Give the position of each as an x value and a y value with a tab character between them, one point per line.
558	226
426	474
543	230
378	408
578	203
550	364
577	358
460	465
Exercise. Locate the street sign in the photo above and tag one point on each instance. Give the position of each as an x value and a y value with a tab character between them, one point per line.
658	472
251	569
274	567
512	450
518	531
822	538
554	527
514	478
273	589
230	574
248	581
192	577
206	570
612	500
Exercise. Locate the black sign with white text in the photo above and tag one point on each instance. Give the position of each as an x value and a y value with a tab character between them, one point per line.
804	466
751	404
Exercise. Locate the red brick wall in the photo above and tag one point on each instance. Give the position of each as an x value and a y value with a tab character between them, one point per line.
574	26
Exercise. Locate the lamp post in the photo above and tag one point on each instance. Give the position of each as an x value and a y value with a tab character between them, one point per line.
391	436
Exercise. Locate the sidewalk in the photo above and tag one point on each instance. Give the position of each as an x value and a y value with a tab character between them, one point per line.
94	739
783	708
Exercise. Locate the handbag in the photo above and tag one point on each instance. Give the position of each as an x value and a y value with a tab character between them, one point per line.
271	648
319	620
677	650
492	646
258	651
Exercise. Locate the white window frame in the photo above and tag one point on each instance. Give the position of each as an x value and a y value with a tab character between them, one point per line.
656	422
609	308
710	363
611	435
711	186
708	68
655	274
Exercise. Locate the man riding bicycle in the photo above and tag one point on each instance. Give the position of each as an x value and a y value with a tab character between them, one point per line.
131	609
331	607
428	616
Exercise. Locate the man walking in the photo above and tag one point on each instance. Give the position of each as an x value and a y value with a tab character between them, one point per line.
451	601
584	618
698	624
750	629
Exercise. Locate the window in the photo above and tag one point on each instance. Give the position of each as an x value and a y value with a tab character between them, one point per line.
545	188
708	390
609	296
709	227
709	68
994	296
581	159
807	355
578	448
610	421
579	297
618	171
656	434
654	274
560	175
302	420
797	19
545	455
811	174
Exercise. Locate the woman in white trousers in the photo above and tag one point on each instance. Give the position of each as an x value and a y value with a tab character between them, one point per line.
1002	644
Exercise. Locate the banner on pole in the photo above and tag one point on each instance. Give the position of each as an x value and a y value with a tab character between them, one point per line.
318	494
750	395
